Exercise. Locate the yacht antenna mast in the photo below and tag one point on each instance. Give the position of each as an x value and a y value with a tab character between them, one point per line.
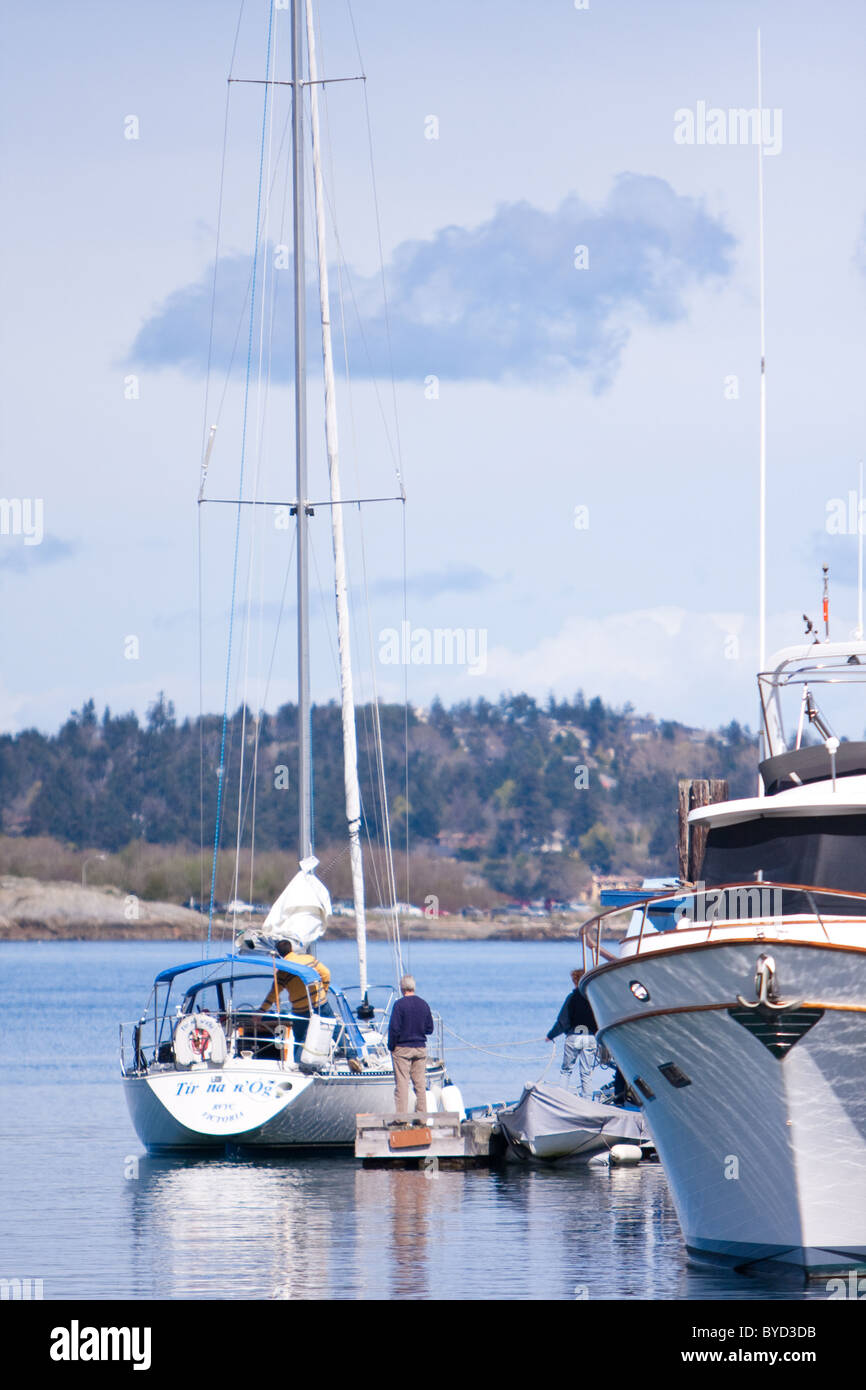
763	746
860	556
305	793
762	513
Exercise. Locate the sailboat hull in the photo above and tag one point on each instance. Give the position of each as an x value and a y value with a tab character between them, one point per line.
258	1107
759	1116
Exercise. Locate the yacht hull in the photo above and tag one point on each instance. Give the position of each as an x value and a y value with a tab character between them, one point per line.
761	1127
260	1107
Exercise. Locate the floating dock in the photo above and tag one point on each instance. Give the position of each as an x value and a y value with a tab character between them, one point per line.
416	1141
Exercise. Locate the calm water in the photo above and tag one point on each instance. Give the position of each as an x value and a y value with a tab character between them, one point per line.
72	1216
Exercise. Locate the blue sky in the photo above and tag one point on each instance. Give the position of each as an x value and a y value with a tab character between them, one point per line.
604	387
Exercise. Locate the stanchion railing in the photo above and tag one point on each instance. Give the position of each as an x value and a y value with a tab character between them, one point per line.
725	896
262	1037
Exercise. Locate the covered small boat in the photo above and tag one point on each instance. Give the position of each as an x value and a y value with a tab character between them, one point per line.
551	1125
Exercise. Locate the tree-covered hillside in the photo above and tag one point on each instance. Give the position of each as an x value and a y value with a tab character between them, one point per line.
535	798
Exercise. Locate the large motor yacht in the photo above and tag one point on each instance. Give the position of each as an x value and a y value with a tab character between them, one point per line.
736	1005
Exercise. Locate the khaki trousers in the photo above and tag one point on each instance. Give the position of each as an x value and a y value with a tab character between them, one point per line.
410	1062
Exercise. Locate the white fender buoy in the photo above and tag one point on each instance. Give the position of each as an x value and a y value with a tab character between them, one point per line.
452	1100
625	1155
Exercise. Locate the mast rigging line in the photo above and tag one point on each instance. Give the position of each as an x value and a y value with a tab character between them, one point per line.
222	766
241	315
359	818
351	782
385	303
249	800
265	348
398	465
206	453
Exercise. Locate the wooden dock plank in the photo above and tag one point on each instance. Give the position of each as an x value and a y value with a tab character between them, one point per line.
387	1139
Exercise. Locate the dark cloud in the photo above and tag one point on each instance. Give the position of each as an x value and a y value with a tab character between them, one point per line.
482	303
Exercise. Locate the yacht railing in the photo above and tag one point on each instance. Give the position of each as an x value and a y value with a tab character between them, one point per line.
382	1014
249	1033
592	931
381	1011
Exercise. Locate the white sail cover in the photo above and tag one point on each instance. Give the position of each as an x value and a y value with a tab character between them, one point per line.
300	914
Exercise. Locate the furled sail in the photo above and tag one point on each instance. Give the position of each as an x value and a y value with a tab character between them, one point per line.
347	699
300	914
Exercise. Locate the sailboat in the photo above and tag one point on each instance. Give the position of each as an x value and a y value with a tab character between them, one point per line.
217	1058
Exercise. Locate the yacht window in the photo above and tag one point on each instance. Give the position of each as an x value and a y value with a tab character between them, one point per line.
672	1073
828	851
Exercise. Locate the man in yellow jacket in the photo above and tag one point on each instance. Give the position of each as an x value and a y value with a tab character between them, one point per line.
299	1001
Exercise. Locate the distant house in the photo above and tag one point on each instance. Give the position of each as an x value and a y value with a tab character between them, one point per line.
554	845
461	839
643	727
557	730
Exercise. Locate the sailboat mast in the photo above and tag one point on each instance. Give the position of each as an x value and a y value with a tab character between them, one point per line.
305	790
350	746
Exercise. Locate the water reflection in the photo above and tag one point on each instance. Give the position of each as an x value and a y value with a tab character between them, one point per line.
329	1229
404	1219
234	1229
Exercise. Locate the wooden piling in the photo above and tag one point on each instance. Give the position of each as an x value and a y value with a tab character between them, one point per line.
692	840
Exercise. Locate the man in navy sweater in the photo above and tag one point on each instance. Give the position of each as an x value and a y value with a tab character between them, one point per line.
411	1023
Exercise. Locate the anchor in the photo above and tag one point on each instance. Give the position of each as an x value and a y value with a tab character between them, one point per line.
766	990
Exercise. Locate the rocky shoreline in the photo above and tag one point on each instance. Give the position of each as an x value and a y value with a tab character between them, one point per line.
35	910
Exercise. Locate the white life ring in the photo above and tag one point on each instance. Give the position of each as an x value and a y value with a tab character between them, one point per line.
199	1038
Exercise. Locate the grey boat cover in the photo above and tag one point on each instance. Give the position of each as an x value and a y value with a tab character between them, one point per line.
549	1123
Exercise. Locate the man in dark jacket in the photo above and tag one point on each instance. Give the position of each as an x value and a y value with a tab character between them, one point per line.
577	1021
411	1023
